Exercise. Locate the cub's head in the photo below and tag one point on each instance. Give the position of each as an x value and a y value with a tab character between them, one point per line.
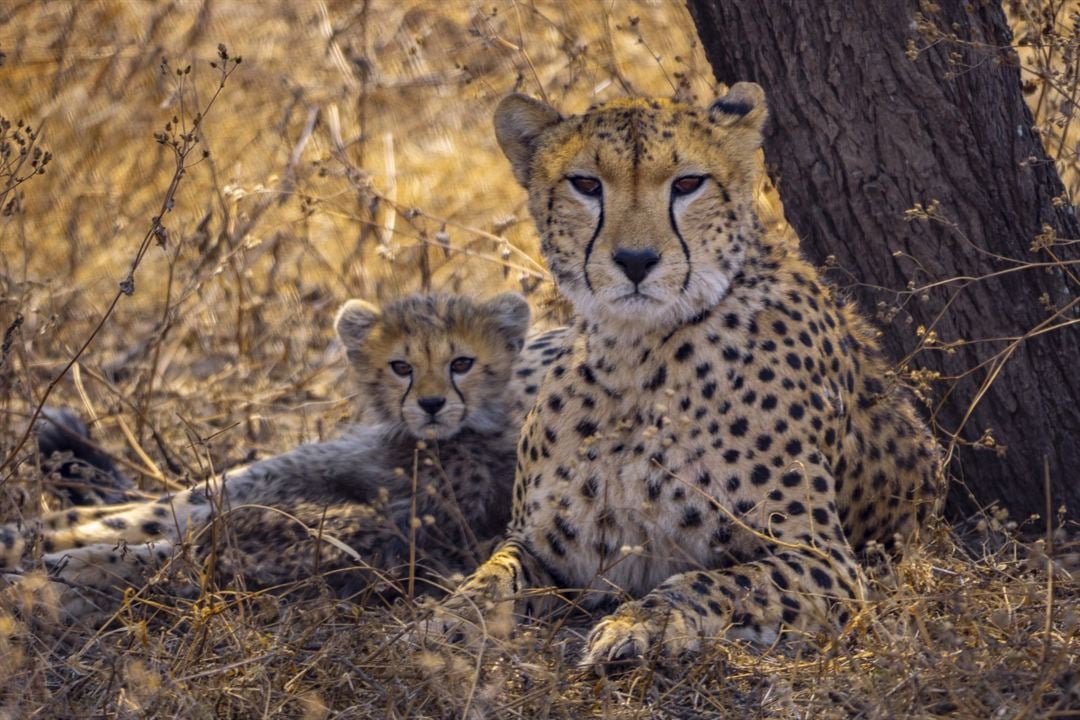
437	363
642	205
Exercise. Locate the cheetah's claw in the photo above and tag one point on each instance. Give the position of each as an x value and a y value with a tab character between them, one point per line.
626	638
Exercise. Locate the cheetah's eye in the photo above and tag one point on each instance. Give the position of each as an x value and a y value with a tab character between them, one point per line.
687	184
586	185
401	368
461	365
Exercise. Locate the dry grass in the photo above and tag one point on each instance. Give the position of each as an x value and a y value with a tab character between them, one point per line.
956	634
351	155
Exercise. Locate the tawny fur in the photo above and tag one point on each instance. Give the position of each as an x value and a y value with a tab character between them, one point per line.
286	517
722	439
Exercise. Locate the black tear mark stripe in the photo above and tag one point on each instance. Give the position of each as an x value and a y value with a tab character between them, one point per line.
401	403
453	384
682	242
592	240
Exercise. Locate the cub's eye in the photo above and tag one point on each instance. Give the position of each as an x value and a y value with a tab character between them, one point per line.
687	184
461	365
586	185
401	368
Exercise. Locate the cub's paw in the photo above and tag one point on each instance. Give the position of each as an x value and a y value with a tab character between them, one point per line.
629	636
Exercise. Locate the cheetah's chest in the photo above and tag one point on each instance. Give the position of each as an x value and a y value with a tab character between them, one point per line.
619	494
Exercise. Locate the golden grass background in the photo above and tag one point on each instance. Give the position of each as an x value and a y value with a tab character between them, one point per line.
351	155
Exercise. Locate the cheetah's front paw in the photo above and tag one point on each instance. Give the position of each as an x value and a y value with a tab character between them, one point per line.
625	638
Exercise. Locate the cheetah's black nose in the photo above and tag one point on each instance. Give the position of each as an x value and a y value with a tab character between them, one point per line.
431	405
636	264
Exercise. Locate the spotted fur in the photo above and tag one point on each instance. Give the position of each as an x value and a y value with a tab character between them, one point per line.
349	503
722	440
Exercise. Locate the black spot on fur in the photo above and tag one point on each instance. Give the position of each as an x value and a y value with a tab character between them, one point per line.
555	545
658	379
691	518
821	578
586	429
590	488
563	526
759	475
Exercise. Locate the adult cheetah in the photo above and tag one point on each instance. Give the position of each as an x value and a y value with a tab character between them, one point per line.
720	442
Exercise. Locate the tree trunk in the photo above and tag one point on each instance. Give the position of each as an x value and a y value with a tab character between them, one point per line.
861	133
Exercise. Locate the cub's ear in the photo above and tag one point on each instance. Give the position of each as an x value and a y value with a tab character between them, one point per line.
354	322
519	120
744	106
510	315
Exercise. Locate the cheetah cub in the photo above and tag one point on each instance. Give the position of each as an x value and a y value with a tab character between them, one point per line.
439	394
722	440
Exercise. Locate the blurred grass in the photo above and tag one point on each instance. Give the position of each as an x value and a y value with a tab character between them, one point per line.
352	155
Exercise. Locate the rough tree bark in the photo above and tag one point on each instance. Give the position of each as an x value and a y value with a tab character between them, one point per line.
861	133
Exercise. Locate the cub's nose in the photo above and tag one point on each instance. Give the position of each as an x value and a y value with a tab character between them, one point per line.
636	264
431	405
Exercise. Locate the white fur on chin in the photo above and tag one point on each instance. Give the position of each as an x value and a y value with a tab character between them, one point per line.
486	419
612	306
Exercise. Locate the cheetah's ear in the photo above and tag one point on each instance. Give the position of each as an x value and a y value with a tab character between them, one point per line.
354	322
743	106
519	121
510	314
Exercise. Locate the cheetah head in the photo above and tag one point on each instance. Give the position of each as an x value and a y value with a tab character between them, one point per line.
642	205
435	363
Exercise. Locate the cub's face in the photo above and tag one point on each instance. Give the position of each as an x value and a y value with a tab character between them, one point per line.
640	203
437	363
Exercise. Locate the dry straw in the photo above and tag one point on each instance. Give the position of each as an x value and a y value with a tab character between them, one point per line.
184	302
